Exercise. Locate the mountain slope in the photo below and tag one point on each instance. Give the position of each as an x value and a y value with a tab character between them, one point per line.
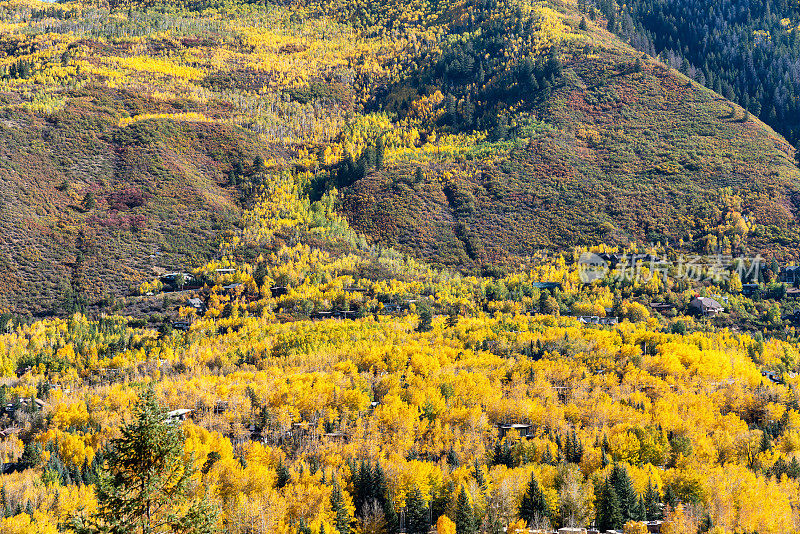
90	207
619	149
469	132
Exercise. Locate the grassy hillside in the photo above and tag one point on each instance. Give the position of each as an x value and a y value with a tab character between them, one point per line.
464	133
88	207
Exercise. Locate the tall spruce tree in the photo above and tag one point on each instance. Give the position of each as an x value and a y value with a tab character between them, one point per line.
465	521
533	505
652	503
342	518
416	513
390	513
623	486
145	485
608	515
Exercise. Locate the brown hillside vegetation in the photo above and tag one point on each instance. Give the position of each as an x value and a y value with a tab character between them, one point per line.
464	133
155	190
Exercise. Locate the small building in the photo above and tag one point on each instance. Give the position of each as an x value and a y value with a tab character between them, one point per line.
596	319
232	287
661	307
772	376
546	285
523	429
181	414
705	306
7	432
183	326
197	304
354	289
179	280
790	274
611	259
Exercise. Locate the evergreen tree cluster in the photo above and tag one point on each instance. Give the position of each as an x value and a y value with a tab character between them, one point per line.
616	501
370	492
534	508
480	72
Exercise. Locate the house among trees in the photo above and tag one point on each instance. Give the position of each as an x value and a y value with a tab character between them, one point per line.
596	319
178	281
197	304
661	307
748	290
181	414
705	306
612	259
790	274
278	291
524	430
181	325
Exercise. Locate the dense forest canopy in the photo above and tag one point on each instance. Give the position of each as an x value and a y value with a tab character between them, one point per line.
321	268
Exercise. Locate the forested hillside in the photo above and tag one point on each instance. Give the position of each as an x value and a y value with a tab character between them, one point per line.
749	52
433	401
464	133
237	170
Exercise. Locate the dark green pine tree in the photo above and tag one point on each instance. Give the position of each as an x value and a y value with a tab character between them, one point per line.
4	498
390	513
608	515
363	487
303	528
442	500
652	503
342	518
623	486
416	513
465	521
145	484
639	512
533	505
670	499
480	479
283	477
425	317
381	493
380	490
